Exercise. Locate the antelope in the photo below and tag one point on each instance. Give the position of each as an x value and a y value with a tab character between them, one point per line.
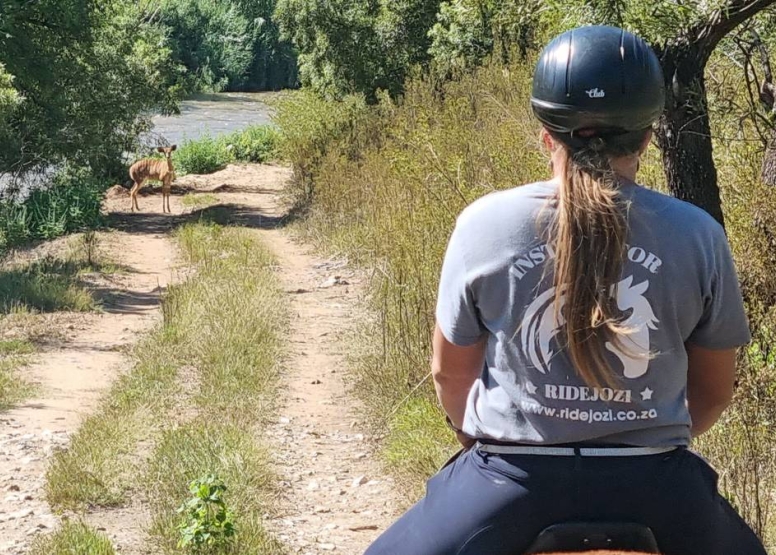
159	170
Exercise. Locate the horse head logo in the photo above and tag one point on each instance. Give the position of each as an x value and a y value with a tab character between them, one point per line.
540	326
635	356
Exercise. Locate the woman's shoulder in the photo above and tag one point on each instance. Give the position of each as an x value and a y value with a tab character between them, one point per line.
676	216
507	205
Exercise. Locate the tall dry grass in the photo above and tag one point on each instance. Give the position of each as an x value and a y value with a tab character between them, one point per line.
384	185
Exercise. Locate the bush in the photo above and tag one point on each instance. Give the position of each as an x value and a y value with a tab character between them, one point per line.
205	155
310	127
71	203
257	143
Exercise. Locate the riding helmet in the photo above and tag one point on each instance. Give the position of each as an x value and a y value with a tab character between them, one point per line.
597	77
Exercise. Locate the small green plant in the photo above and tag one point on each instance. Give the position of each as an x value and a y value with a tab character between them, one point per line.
206	521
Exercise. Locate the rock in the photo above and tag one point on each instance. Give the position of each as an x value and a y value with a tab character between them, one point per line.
316	382
327	546
359	481
363	527
312	486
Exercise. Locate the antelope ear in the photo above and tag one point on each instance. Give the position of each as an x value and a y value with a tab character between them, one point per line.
160	148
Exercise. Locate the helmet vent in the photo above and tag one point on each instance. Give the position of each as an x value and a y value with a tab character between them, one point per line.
622	65
569	61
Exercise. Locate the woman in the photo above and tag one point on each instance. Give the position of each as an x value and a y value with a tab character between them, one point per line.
586	313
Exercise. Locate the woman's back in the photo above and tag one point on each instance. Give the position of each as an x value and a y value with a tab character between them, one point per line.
677	284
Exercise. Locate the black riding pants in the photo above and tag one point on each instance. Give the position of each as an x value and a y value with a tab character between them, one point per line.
485	504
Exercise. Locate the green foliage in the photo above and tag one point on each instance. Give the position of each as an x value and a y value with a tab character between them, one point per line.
357	46
468	31
204	155
70	203
418	443
206	522
257	143
228	44
73	538
99	67
311	126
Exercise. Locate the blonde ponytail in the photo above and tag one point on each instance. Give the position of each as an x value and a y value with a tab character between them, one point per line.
589	238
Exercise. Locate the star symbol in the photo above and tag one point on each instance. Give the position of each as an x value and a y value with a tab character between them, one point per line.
646	395
531	388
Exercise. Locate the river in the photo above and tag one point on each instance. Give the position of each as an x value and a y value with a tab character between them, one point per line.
214	115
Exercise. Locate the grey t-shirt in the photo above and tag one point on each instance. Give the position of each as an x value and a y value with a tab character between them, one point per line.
678	285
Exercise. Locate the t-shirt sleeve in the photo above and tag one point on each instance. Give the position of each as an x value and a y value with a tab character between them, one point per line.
723	323
456	311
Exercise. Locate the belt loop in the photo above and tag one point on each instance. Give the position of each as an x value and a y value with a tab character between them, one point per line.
577	477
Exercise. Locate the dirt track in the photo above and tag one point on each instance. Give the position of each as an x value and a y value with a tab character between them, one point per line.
333	495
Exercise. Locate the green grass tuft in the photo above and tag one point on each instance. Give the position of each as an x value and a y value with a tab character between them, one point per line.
198	200
73	538
47	285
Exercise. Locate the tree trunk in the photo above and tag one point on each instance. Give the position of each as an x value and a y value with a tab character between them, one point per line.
684	135
768	172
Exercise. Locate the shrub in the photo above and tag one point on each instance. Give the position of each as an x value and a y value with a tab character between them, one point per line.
70	203
205	155
257	143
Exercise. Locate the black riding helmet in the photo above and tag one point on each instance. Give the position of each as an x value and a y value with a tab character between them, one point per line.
597	78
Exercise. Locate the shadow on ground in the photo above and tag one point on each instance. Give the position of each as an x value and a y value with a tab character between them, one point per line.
223	214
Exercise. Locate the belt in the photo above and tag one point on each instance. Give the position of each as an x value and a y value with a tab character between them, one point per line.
572	451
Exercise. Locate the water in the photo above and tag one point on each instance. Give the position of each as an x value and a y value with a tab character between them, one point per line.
213	115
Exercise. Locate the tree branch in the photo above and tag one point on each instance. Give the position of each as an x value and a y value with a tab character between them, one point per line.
707	34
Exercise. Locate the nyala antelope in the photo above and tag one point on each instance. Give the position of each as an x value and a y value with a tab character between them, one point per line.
151	168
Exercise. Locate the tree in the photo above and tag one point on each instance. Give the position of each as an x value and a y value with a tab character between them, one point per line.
357	46
78	75
684	134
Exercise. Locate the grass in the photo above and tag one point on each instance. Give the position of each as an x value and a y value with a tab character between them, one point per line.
384	184
72	538
197	449
13	388
194	200
201	385
47	285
